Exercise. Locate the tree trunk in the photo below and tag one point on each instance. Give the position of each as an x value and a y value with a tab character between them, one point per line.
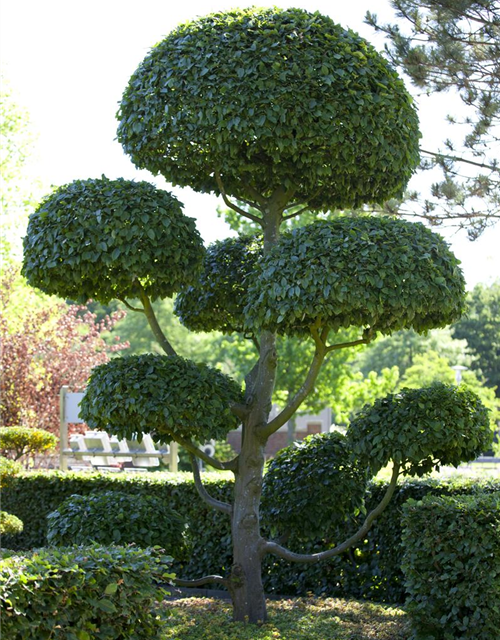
247	592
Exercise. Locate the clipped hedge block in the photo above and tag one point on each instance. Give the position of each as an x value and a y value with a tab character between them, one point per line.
451	564
82	593
113	517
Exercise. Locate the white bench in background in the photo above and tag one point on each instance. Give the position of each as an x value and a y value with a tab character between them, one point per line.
98	448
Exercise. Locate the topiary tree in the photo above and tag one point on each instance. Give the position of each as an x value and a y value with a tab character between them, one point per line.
287	112
16	442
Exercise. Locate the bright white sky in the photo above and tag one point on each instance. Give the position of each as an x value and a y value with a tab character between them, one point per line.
68	63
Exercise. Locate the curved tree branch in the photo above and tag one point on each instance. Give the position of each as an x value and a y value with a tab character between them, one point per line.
205	496
201	581
232	465
153	322
277	550
233	206
305	389
366	339
129	306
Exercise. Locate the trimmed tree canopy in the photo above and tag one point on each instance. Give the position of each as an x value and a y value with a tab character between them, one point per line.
422	429
94	238
312	487
217	300
161	395
272	98
373	272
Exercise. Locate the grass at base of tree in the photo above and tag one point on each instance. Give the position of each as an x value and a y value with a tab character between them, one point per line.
291	619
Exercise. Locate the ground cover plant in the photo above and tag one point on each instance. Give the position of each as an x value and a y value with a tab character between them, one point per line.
283	111
292	619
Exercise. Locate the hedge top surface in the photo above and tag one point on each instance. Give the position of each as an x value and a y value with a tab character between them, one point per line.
94	238
216	302
365	271
271	98
160	395
422	429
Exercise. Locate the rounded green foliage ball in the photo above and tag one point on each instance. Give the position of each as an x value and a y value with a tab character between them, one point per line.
18	441
422	429
98	238
216	302
313	487
8	469
366	271
162	396
10	524
272	99
116	518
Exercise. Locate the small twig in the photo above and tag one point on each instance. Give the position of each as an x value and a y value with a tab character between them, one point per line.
201	581
192	448
205	496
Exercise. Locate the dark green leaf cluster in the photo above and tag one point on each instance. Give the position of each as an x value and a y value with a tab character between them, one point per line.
366	271
422	429
81	593
10	524
112	517
271	98
312	487
161	395
452	566
96	238
217	300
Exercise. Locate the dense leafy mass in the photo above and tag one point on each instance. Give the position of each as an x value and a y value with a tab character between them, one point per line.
112	517
80	593
381	273
160	395
10	524
18	441
313	487
8	468
271	98
97	238
452	566
217	300
372	571
422	429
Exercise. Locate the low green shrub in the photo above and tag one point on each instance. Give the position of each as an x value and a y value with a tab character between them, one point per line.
372	570
16	442
10	524
114	517
82	593
451	564
8	468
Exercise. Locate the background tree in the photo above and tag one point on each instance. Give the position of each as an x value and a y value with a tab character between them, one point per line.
480	326
18	194
454	45
278	109
45	345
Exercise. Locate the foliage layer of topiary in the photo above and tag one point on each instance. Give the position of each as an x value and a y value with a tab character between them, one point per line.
451	564
80	593
217	300
275	94
163	395
322	461
381	273
422	429
112	517
101	238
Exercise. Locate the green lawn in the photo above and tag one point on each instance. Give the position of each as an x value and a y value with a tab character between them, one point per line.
293	619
